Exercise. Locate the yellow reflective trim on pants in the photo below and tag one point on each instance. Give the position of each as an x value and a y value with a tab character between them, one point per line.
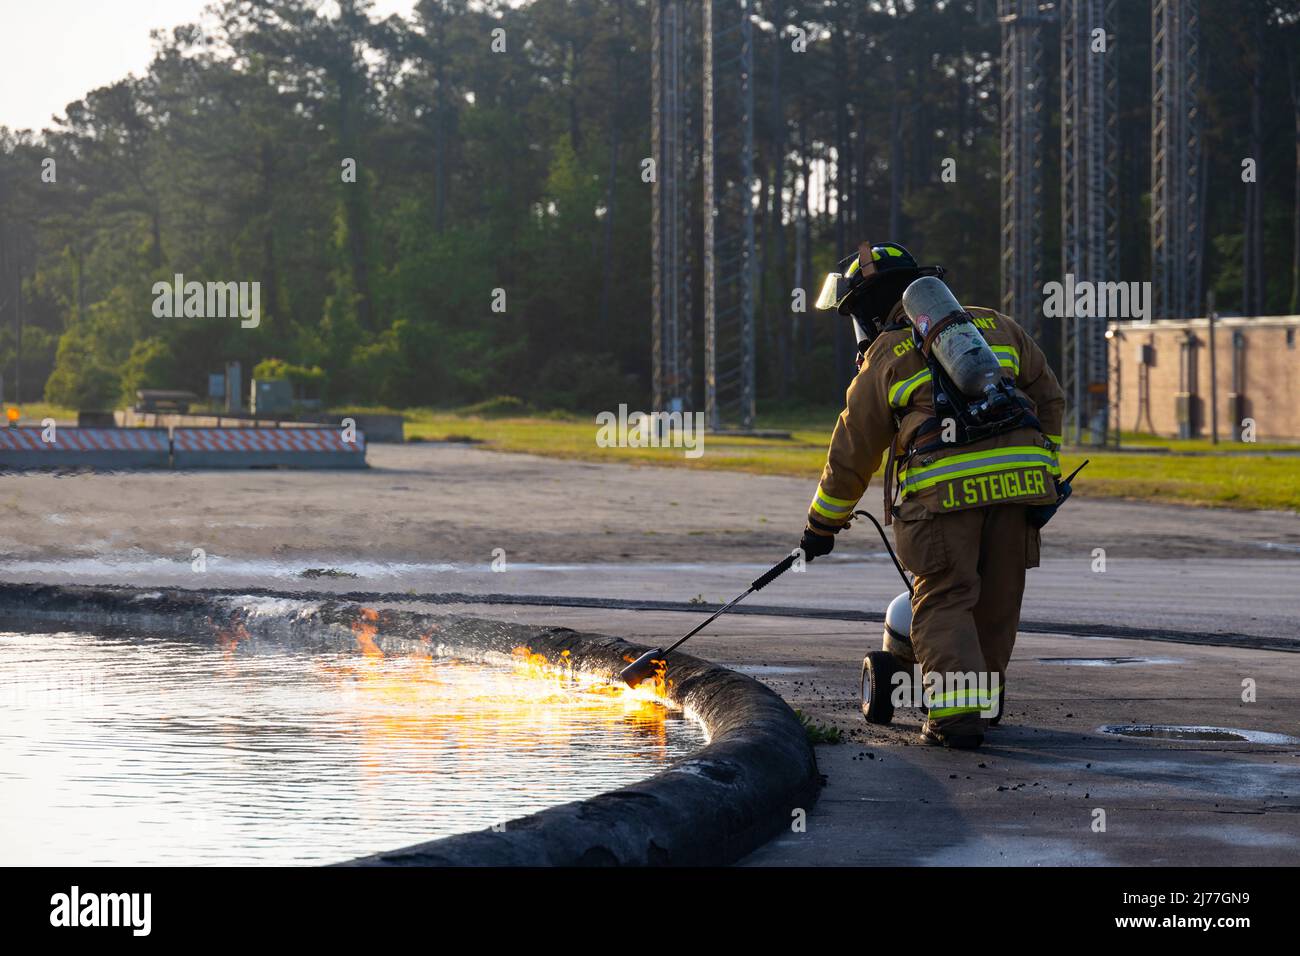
985	702
984	696
940	712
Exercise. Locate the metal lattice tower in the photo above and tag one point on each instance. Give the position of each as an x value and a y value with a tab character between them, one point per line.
1176	212
1089	203
1023	110
729	261
670	208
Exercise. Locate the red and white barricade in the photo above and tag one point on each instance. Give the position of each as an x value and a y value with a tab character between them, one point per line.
61	446
325	447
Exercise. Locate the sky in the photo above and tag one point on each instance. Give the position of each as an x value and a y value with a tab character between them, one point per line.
53	52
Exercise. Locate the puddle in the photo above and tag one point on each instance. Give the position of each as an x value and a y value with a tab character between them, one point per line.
758	670
1107	661
126	752
1212	734
1277	546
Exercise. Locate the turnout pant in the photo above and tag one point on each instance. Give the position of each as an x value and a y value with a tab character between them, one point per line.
969	569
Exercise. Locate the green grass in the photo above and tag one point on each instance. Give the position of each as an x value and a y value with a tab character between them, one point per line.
37	411
1197	445
1224	479
819	733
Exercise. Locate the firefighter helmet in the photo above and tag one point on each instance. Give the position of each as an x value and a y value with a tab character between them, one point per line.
869	283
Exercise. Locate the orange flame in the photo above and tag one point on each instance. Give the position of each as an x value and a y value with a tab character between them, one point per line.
652	690
658	682
228	638
365	630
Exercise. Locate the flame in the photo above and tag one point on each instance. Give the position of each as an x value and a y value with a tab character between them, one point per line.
400	697
657	684
365	631
229	638
650	693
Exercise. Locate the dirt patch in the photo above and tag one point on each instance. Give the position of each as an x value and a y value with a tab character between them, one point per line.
428	502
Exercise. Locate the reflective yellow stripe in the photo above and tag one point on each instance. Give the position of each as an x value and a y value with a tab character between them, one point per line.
1055	467
920	484
900	392
1008	356
975	456
985	701
975	463
832	500
828	506
938	712
979	694
833	515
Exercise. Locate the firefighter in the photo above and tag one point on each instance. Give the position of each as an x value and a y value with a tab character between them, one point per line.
965	488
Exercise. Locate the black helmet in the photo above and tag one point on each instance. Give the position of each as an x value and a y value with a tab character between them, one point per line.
869	283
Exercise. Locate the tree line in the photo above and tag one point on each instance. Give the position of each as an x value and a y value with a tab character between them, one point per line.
447	207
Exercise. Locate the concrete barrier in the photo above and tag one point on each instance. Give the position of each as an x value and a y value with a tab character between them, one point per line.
130	418
378	428
266	448
24	447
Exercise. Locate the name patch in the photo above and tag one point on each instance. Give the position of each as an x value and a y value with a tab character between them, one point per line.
996	488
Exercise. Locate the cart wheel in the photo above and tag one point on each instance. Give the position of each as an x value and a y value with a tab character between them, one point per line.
877	669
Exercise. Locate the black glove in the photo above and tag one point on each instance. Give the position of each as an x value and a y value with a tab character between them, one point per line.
1039	515
815	545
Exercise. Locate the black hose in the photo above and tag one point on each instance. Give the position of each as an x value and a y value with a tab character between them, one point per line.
888	547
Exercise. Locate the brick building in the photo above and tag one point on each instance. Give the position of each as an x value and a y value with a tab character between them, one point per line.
1166	386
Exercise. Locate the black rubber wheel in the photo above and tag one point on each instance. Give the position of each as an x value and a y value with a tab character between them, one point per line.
877	669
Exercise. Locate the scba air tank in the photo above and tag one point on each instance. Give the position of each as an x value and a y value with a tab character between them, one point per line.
959	347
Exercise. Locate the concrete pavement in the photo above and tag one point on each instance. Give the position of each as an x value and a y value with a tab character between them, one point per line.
1034	794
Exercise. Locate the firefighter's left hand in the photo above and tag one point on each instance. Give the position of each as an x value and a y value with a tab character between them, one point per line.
816	545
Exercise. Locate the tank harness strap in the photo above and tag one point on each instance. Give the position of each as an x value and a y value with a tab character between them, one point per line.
934	424
933	332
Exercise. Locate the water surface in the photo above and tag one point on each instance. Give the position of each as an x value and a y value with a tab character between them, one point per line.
122	751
